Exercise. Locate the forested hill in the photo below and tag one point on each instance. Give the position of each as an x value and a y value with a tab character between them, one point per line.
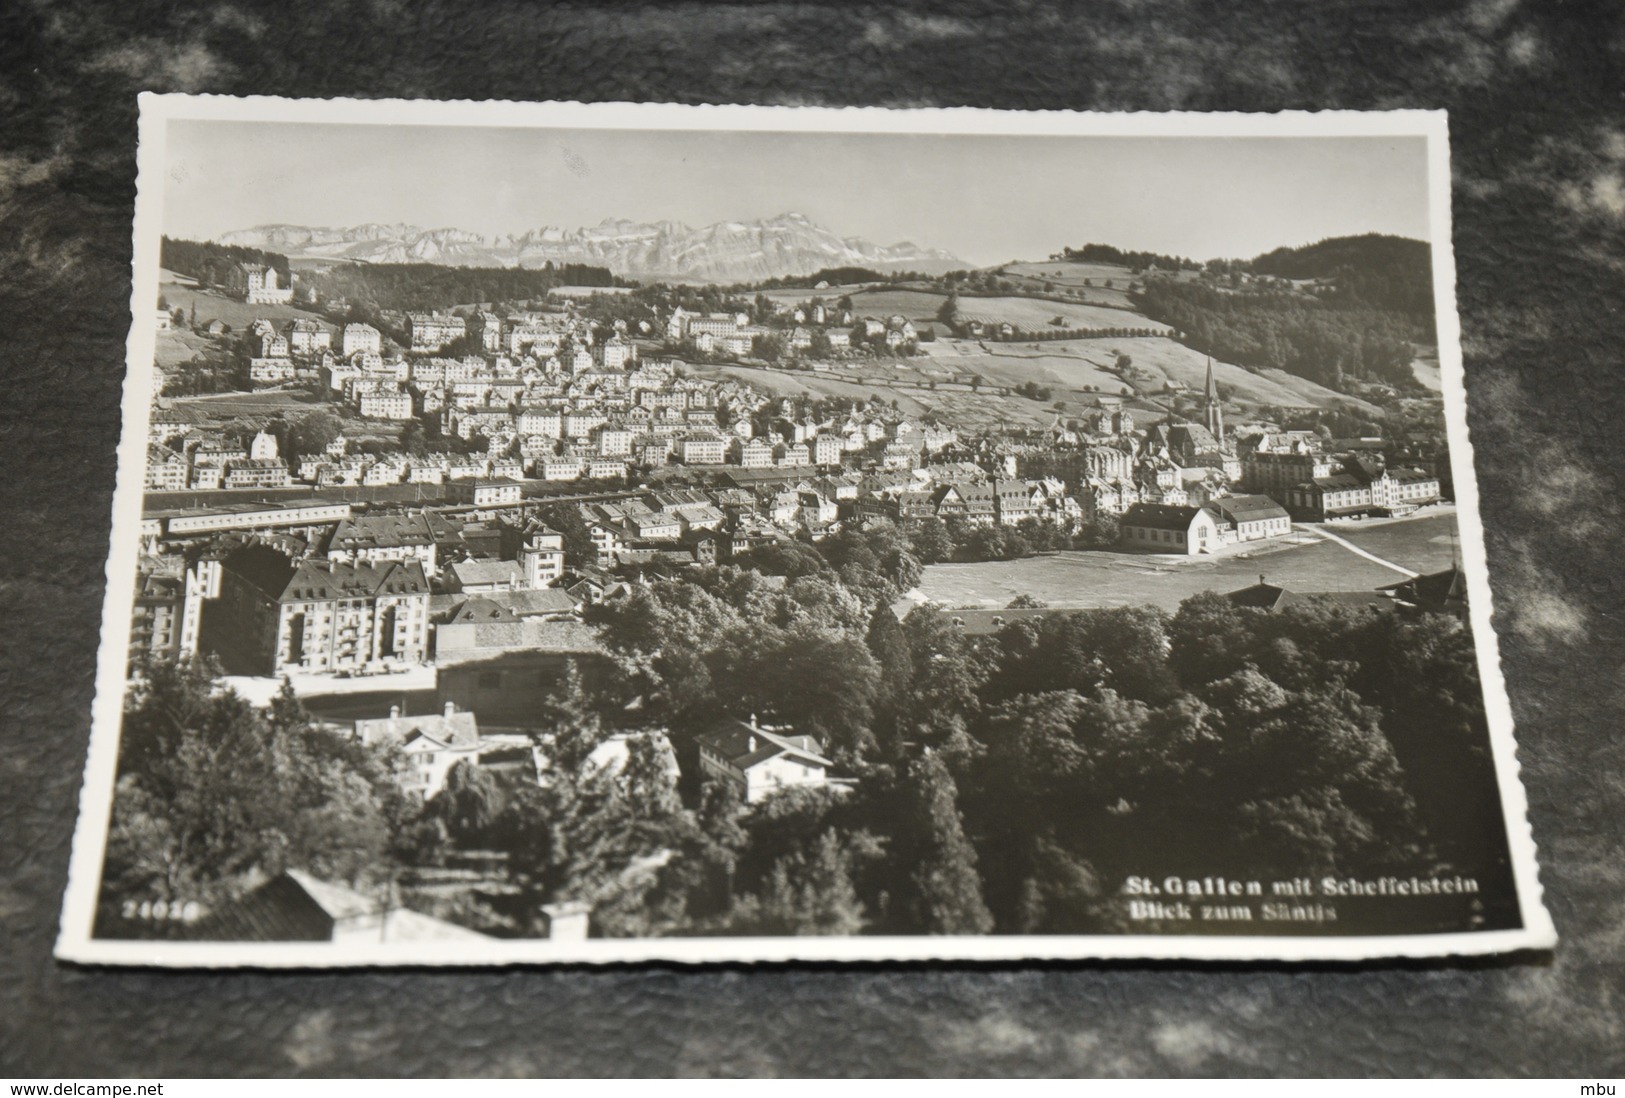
1392	272
1340	345
205	260
1106	253
1359	306
407	286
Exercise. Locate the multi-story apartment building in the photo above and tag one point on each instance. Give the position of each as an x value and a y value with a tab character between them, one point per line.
581	422
385	404
1274	473
256	473
155	620
271	371
166	470
360	339
308	337
376	539
613	441
276	616
1349	494
828	449
756	454
702	449
433	331
485	329
494	492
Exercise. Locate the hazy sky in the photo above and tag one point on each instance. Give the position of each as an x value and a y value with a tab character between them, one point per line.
987	199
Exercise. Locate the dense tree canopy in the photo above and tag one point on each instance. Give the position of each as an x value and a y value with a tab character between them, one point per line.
1006	782
1106	253
401	287
206	261
1389	272
1333	341
214	794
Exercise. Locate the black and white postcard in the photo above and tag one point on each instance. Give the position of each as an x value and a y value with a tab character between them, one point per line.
552	532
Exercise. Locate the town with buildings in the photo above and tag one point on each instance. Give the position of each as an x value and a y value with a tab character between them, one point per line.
664	469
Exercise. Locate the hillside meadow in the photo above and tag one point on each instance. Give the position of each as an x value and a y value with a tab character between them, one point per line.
964	410
238	315
1158	360
1057	366
913	304
1086	279
1033	313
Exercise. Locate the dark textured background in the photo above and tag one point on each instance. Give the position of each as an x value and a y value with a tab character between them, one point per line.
1534	90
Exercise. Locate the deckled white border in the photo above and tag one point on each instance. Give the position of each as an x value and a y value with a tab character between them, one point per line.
75	943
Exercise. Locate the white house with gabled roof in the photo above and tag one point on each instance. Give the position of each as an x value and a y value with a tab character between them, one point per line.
757	762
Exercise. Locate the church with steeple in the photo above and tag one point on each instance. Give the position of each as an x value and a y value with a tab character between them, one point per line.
1212	409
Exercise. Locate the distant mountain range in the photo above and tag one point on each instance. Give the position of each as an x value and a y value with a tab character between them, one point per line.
728	251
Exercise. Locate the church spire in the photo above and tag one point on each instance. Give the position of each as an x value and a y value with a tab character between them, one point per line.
1213	411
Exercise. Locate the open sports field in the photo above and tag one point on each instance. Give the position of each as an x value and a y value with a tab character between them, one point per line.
238	315
1101	578
1423	544
1034	313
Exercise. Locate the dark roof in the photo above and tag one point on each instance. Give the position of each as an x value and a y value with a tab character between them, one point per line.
1266	596
749	477
382	532
1338	482
280	910
296	907
481	609
444	527
262	567
324	580
1370	600
473	572
1411	476
1199	438
1445	590
528	636
1260	596
1363	466
1160	516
